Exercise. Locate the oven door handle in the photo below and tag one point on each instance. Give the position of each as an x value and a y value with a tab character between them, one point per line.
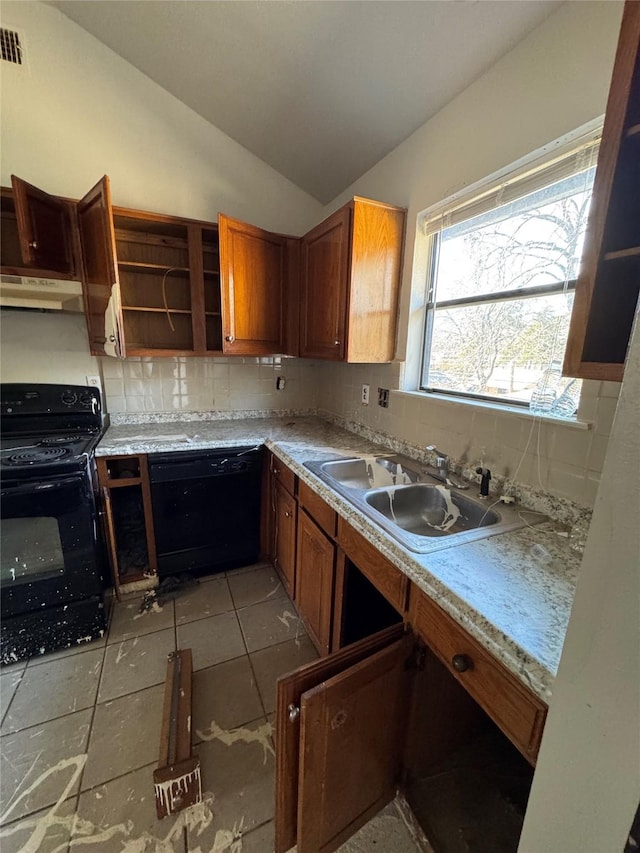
30	488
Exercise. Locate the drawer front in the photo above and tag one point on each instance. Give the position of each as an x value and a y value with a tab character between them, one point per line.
388	579
283	474
515	710
318	509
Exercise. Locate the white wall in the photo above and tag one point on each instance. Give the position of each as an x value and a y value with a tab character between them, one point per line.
78	111
555	81
586	786
42	347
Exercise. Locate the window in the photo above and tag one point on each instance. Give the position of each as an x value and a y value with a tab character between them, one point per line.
501	281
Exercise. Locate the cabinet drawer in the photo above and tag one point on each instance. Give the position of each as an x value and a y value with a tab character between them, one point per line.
388	579
283	474
316	507
511	706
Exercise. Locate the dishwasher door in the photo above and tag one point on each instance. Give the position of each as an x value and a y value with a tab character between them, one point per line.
206	509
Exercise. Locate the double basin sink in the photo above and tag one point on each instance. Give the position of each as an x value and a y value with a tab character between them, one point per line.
404	498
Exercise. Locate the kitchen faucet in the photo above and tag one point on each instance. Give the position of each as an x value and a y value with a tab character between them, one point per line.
441	471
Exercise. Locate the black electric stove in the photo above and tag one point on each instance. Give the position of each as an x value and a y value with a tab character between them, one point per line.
51	563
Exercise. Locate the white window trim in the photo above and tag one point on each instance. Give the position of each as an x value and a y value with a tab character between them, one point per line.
429	221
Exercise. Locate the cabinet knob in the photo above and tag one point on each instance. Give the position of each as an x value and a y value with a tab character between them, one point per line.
230	338
33	244
112	339
287	514
336	343
461	663
294	712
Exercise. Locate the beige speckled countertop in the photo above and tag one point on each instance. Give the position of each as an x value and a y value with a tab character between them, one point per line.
514	604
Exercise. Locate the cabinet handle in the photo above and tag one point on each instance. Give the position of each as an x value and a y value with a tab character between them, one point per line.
33	244
294	712
461	663
230	338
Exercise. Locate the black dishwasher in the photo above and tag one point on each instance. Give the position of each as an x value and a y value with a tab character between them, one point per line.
206	509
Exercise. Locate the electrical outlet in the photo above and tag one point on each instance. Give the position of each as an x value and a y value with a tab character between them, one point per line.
93	381
383	397
280	383
365	395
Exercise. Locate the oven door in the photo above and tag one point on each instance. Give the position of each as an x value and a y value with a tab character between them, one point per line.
49	549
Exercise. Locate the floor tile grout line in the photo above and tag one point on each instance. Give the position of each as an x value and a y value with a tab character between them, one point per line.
93	716
149	686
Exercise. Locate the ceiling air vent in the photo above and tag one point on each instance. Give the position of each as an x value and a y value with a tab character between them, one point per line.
10	46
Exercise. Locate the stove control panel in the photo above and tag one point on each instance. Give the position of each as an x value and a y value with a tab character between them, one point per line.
17	398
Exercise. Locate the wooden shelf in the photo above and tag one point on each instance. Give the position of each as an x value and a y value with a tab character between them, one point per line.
123	482
126	236
211	272
138	266
156	310
213	314
634	130
622	253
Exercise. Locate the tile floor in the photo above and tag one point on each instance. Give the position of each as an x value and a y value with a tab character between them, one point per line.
80	728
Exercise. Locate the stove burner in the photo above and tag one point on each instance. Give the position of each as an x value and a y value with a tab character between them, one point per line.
54	441
38	456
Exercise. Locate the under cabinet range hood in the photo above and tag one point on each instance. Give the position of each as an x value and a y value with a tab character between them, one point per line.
21	291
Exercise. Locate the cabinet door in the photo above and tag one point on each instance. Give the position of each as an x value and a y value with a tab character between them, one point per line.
44	228
608	285
325	278
253	270
352	713
289	691
284	546
100	271
314	581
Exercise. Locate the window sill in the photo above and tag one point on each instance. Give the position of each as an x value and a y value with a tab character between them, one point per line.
501	408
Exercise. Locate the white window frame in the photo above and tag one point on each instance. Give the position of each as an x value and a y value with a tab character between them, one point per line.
563	161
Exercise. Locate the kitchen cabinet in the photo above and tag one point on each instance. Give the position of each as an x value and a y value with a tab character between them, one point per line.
351	266
128	520
42	228
258	271
279	519
407	699
607	289
159	285
514	709
386	713
315	571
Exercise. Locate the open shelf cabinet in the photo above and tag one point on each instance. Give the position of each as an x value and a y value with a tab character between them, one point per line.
608	286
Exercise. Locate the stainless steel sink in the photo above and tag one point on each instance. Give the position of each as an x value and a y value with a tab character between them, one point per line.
431	510
399	495
369	473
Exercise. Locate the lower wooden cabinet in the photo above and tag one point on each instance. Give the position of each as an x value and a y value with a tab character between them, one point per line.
315	572
285	512
513	708
339	724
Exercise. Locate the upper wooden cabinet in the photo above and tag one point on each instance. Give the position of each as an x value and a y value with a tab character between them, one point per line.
254	266
609	282
160	285
351	265
44	225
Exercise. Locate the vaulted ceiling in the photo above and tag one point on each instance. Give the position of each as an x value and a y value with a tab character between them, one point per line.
318	90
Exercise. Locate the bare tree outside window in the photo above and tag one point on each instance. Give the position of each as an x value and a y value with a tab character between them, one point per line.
502	297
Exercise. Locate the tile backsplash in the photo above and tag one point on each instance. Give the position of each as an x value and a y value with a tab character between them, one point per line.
180	384
548	457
